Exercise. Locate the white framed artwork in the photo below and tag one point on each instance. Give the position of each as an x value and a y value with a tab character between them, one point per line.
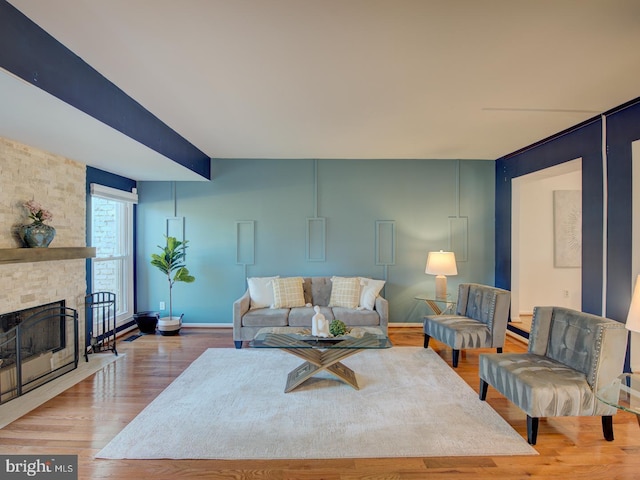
567	228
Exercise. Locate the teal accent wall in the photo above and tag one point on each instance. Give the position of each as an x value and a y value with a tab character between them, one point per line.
418	196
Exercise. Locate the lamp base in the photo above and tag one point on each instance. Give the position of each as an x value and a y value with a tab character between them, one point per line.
441	286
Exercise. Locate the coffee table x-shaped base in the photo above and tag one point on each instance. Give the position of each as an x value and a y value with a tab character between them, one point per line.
319	359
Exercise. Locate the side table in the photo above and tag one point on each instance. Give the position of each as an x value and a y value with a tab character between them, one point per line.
623	393
440	306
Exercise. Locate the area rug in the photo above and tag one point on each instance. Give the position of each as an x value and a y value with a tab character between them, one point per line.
230	404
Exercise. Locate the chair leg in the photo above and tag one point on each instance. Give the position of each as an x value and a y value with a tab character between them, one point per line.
484	386
607	427
426	340
456	356
499	349
238	344
532	429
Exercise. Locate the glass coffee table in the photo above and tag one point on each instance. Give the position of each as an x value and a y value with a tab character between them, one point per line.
320	353
623	393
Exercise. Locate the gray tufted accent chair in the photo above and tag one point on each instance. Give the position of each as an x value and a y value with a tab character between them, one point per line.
571	355
480	320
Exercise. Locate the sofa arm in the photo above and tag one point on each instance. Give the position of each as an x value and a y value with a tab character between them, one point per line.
240	307
610	355
382	307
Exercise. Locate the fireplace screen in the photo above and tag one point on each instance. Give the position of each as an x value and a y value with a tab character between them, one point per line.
36	346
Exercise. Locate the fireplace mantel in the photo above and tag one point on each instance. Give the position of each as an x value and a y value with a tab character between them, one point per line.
24	255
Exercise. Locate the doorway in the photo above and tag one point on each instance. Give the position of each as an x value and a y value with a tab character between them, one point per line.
546	239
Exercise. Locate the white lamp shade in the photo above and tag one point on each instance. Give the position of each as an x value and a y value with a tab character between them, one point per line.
633	318
441	263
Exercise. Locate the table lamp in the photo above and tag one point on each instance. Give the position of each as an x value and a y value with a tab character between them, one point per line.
633	325
441	264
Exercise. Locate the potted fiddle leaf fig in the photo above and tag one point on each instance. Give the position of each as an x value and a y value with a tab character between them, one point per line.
171	262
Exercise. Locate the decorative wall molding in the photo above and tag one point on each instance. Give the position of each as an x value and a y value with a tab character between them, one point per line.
459	237
245	242
385	242
175	228
459	226
316	240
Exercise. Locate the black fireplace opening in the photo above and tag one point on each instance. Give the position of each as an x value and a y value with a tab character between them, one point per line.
43	336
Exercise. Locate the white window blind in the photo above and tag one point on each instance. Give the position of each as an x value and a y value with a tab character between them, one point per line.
109	193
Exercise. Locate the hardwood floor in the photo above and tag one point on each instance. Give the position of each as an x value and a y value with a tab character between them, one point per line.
86	417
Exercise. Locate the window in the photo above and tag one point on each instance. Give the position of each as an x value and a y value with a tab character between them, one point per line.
112	235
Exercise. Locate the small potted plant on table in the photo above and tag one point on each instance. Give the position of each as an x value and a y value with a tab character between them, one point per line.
171	262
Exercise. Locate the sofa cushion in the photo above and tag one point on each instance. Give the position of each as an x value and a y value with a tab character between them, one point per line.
369	291
356	318
266	317
306	290
287	292
457	331
540	386
260	291
481	303
320	291
301	316
345	292
573	340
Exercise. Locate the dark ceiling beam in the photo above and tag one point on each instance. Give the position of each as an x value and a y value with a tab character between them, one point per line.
30	53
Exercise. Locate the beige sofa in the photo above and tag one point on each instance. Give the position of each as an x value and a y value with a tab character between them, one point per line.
372	310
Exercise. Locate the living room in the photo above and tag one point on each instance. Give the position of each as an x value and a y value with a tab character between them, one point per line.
418	197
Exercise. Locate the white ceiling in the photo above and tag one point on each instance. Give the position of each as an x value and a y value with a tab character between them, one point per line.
411	79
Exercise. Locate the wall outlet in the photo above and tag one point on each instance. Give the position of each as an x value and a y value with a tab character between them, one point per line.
162	306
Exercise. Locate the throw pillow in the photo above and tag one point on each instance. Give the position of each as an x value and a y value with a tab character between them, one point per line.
260	291
287	292
345	292
370	289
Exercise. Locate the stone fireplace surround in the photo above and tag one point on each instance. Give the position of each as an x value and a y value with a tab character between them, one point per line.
59	184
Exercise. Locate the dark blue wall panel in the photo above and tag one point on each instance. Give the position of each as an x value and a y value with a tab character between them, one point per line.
584	141
95	175
623	128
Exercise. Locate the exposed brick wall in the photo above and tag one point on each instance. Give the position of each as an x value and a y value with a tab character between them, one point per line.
55	182
58	184
105	239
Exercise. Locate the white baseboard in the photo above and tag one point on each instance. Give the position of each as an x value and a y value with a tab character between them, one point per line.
207	325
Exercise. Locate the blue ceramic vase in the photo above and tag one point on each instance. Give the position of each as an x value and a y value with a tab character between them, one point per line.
37	235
